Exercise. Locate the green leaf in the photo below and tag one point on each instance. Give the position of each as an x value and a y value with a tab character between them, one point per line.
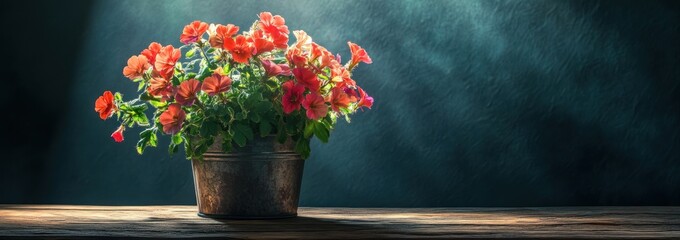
190	75
240	139
302	148
265	128
282	136
255	117
141	86
244	130
309	129
226	144
209	128
321	132
147	138
263	107
190	53
117	96
177	139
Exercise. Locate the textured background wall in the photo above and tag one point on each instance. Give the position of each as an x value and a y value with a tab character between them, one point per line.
478	103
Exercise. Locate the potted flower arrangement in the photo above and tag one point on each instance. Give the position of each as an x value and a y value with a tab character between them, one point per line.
244	107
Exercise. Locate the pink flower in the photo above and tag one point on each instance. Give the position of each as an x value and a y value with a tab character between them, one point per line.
118	134
216	84
365	100
315	105
339	99
186	93
274	69
172	119
307	78
292	97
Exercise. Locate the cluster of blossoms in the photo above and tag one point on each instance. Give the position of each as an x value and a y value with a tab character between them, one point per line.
233	85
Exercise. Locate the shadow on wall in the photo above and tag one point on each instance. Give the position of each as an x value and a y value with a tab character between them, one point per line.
478	103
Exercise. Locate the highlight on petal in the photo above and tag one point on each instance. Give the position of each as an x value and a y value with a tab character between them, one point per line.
216	84
193	32
186	92
105	106
315	105
358	55
307	78
172	119
136	66
118	134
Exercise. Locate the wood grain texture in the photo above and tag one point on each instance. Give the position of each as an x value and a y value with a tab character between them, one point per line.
99	222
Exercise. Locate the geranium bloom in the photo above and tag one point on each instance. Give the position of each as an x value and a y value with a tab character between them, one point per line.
166	59
274	69
136	67
105	105
260	43
151	52
307	78
358	55
240	49
315	105
296	58
292	96
220	32
339	99
159	86
276	27
193	32
341	76
365	100
216	84
172	119
186	92
118	134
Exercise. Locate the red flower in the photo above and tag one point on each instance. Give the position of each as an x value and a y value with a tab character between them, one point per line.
105	105
166	60
151	52
220	33
296	58
240	49
365	100
276	27
216	84
339	99
193	32
186	92
307	78
260	43
358	55
172	119
292	97
159	86
136	67
341	76
315	105
274	69
118	134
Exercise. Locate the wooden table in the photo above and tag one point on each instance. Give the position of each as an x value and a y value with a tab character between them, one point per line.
101	222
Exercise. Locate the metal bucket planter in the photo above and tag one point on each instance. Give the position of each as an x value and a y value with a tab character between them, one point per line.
259	181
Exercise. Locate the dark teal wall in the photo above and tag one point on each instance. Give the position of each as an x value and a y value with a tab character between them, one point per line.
478	103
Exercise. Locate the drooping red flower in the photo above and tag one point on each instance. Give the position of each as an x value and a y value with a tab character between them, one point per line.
358	55
339	99
220	33
118	134
239	48
193	32
105	105
166	60
307	78
341	76
276	27
159	86
151	52
292	97
172	119
365	100
322	55
260	43
315	105
186	92
216	84
274	69
136	67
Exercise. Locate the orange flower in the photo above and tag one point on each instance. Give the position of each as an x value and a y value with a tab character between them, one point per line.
365	101
166	60
240	49
151	52
216	84
339	99
315	105
260	43
118	134
172	119
193	32
324	56
220	33
358	55
159	86
341	76
136	67
105	105
186	92
296	58
307	78
276	27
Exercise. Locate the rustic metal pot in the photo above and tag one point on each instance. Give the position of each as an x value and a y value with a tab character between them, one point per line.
259	181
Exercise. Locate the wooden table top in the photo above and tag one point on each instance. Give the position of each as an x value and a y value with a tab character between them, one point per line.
101	222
